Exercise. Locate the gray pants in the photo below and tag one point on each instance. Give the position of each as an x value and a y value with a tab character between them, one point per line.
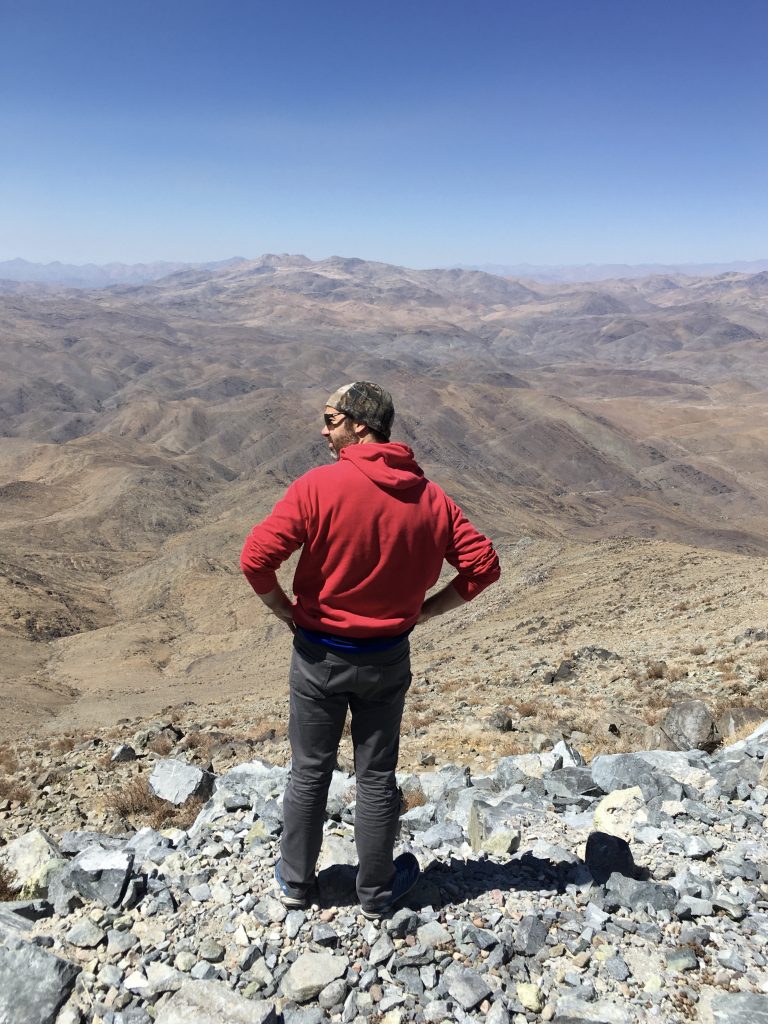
323	685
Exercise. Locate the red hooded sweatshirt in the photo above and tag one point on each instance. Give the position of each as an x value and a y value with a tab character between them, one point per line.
373	532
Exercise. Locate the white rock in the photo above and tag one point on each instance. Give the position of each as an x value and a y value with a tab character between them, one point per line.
31	858
620	812
176	781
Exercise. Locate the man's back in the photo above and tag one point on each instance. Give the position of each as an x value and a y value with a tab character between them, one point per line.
374	533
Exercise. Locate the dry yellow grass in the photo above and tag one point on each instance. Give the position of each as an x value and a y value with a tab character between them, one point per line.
63	744
676	672
7	880
9	762
161	745
137	804
12	789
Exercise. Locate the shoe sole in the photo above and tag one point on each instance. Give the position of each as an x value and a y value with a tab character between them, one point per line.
292	902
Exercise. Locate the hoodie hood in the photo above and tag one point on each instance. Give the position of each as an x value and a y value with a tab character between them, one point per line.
391	466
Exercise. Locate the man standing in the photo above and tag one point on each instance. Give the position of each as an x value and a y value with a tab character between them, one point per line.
374	533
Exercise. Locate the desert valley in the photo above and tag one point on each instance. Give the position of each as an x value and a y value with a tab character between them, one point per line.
611	437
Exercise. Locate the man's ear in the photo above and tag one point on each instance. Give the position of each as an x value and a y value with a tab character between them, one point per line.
360	429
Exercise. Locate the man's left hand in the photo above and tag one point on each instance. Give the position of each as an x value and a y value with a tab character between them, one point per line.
279	604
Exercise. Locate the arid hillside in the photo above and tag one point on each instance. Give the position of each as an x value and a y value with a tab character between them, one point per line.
621	427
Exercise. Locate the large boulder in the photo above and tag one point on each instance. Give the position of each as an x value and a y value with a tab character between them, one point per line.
651	770
34	985
619	813
249	783
689	725
101	875
31	859
176	781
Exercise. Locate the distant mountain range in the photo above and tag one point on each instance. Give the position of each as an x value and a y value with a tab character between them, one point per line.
92	275
584	273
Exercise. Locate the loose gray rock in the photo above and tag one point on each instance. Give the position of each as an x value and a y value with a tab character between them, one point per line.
213	1002
177	781
86	935
34	985
466	986
101	875
634	895
31	859
529	935
212	951
333	994
738	1007
310	973
493	829
572	1009
122	753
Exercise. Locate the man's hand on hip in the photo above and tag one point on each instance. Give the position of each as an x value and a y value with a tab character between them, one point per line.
443	601
278	603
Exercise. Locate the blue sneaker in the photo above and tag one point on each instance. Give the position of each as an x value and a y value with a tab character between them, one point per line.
292	896
407	872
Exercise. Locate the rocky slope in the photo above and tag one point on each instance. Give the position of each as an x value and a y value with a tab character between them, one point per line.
634	889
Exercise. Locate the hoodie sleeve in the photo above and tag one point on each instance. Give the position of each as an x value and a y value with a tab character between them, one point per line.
273	540
471	554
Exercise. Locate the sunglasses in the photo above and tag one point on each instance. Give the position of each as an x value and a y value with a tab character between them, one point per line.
331	421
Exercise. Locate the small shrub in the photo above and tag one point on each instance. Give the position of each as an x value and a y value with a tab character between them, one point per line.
136	799
698	649
681	607
527	708
7	880
740	734
63	744
652	716
676	672
761	670
201	742
413	798
177	817
161	745
8	760
138	804
507	744
656	669
12	789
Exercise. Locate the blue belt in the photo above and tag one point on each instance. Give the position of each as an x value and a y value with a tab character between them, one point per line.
354	645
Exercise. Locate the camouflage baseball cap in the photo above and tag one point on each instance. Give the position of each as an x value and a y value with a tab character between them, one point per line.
366	403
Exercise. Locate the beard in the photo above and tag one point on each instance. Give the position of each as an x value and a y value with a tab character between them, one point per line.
341	438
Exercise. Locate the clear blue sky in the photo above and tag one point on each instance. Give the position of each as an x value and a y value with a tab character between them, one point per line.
426	133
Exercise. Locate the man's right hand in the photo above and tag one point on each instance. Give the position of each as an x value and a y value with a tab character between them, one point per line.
443	601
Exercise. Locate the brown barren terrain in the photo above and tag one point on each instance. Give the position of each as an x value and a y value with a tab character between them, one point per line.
611	438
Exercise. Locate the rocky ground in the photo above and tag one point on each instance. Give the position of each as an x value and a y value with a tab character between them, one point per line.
632	889
128	901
